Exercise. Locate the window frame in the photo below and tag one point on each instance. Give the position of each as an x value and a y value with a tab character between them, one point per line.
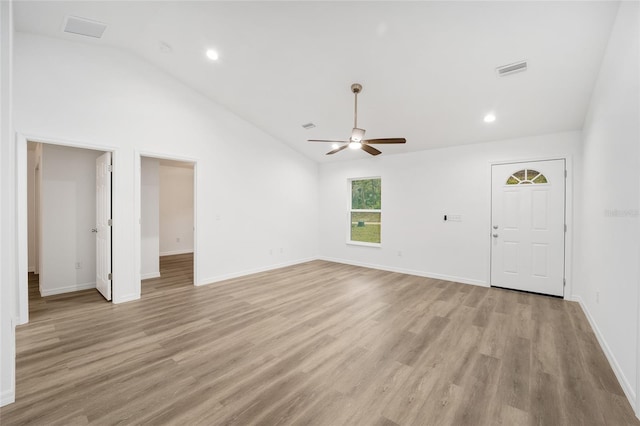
526	180
351	210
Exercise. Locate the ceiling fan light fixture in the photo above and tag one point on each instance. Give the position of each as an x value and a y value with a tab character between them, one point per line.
355	145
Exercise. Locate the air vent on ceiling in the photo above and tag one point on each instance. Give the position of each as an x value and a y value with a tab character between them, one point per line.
309	126
511	68
85	27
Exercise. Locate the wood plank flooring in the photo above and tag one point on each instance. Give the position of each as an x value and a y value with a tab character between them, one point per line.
314	344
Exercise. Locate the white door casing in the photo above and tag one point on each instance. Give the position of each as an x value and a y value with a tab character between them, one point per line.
103	225
528	226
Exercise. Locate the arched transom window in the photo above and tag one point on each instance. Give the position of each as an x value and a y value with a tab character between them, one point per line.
526	177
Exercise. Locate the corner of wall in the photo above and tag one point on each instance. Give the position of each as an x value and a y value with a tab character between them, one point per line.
7	397
8	243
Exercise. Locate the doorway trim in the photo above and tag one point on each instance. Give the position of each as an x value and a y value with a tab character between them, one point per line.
568	217
22	210
138	208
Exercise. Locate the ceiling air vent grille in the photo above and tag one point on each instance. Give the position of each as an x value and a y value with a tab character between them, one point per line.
309	126
85	27
511	68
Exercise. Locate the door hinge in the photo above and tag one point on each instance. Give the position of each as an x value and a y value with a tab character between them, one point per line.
565	227
565	173
110	222
564	282
109	168
109	276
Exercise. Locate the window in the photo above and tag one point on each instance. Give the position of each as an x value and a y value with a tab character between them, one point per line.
365	212
526	177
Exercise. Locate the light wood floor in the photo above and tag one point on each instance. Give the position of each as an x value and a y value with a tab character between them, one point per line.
317	343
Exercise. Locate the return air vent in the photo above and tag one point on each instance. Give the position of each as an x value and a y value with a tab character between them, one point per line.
85	27
308	126
511	68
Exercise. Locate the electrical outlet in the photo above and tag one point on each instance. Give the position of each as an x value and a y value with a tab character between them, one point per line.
400	253
597	297
177	239
281	250
271	252
78	265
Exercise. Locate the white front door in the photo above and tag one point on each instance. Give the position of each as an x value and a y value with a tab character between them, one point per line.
103	225
528	226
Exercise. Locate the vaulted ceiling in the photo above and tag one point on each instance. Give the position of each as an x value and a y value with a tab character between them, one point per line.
428	68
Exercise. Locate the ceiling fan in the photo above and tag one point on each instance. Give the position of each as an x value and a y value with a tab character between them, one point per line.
356	140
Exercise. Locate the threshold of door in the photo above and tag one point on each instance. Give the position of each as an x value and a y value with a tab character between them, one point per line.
528	292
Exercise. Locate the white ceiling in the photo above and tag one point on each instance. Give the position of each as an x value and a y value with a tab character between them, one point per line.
428	68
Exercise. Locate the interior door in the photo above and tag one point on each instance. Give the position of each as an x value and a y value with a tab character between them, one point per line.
528	226
103	225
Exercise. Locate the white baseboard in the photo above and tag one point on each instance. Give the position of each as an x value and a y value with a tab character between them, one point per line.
225	277
172	252
364	265
150	275
624	382
67	289
433	275
126	298
7	397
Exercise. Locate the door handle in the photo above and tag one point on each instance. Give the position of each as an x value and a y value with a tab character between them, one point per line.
94	230
495	235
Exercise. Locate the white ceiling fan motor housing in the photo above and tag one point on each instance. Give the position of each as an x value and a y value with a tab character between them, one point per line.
357	134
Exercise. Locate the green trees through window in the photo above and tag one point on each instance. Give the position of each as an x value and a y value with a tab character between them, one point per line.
365	194
366	214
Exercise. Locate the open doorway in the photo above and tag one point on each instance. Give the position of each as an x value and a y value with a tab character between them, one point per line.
62	220
167	224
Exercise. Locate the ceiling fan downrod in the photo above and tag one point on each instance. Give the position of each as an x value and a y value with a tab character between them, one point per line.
356	88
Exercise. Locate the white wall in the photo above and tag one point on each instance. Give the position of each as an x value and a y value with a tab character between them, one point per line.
149	217
110	99
8	243
176	209
417	190
68	209
31	206
607	267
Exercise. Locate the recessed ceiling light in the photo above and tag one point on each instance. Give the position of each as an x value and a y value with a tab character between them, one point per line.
489	118
212	54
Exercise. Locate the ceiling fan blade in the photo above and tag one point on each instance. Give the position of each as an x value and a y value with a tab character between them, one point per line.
385	140
371	150
325	140
337	149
